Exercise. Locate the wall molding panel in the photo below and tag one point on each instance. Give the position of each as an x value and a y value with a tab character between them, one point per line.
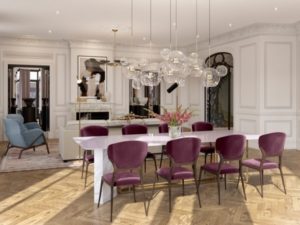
278	75
61	83
248	76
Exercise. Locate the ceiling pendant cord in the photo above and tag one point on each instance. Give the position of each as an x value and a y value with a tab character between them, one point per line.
170	25
196	24
131	24
209	32
176	30
150	26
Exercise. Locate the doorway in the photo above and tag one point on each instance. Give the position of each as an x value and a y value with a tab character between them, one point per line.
219	99
28	93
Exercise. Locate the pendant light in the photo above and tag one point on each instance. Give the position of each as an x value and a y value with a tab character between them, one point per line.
150	73
195	61
211	77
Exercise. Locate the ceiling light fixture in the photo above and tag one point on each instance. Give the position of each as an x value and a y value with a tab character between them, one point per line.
275	9
57	12
211	76
50	31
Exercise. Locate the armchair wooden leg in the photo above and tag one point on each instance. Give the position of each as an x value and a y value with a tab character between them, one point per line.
46	143
183	187
225	181
7	148
21	153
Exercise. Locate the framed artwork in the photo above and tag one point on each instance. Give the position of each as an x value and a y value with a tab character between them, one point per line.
92	71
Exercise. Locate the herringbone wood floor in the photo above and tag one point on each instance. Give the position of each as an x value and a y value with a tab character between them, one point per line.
57	196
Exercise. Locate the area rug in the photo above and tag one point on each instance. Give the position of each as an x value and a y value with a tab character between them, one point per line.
35	160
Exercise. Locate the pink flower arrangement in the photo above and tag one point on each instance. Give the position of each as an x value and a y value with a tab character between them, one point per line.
176	118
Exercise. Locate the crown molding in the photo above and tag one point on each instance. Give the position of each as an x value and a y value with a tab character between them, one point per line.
253	30
31	42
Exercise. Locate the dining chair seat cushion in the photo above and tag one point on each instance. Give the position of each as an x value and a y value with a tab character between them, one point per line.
255	164
89	158
207	149
122	179
225	169
177	173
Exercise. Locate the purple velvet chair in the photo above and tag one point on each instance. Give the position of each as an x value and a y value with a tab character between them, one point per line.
271	145
139	129
181	152
230	148
162	128
127	158
88	157
209	149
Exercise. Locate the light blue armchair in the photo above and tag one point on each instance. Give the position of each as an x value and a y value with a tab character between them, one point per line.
20	118
23	136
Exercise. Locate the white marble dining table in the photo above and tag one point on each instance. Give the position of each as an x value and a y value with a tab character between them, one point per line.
102	164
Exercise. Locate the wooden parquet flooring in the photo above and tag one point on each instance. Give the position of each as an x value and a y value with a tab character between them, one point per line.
57	196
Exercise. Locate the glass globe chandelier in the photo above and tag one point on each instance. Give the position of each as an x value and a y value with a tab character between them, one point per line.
150	73
210	77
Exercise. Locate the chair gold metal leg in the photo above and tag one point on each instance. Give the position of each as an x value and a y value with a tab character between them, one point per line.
282	179
169	187
219	192
86	173
261	173
100	193
243	185
111	201
196	184
83	164
133	190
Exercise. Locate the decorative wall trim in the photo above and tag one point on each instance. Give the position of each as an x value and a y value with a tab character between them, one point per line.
243	105
289	122
266	104
61	75
253	121
27	55
31	42
253	30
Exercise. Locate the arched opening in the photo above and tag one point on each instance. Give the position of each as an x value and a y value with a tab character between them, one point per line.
219	99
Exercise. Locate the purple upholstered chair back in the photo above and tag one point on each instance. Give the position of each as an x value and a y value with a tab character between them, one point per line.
127	154
272	144
163	128
93	131
183	150
231	147
134	129
202	126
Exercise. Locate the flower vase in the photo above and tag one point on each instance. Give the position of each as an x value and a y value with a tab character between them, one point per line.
174	131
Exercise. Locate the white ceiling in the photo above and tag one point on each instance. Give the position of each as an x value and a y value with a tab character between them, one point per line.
93	19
